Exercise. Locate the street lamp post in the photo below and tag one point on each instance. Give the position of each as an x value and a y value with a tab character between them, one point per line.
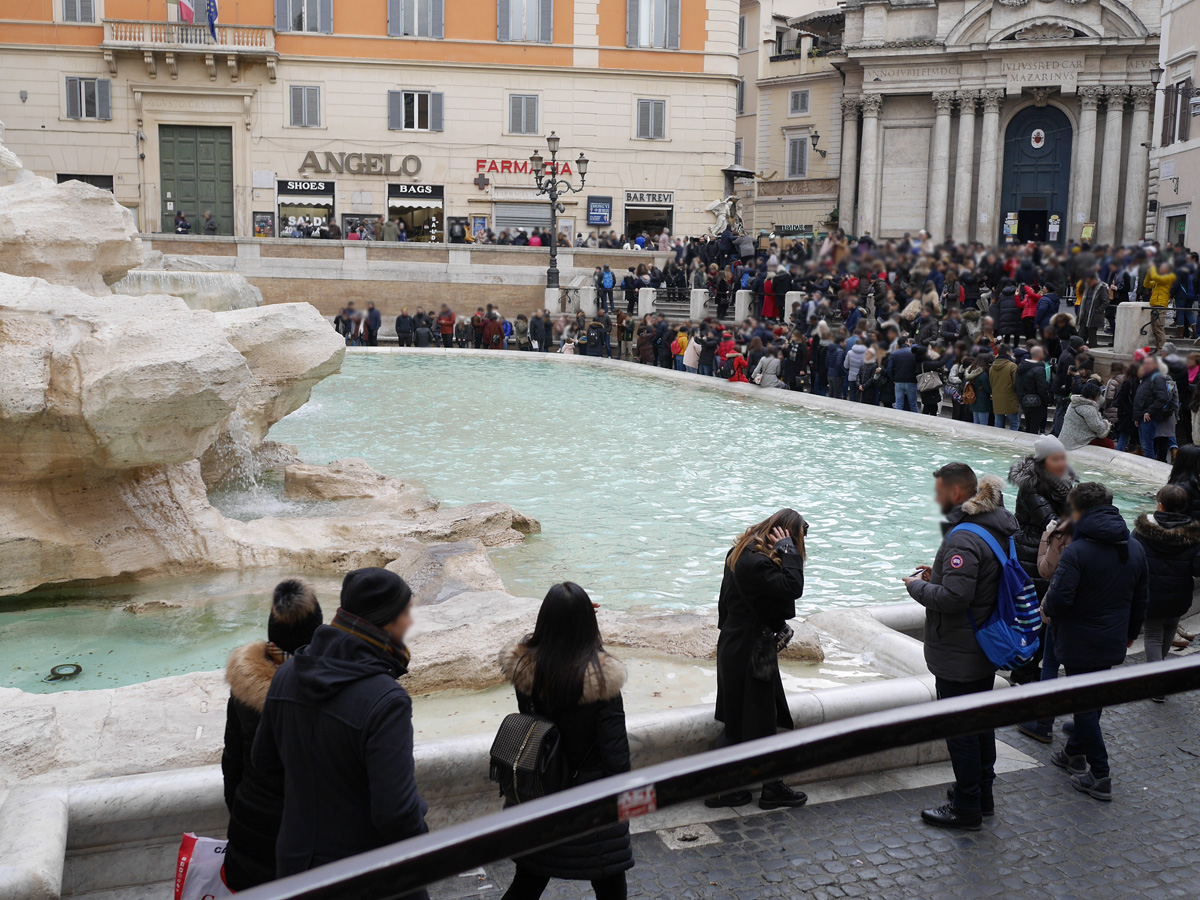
553	187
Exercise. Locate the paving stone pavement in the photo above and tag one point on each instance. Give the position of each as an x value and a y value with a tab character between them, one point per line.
1046	840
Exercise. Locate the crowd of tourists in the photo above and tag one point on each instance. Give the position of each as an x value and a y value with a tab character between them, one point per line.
318	761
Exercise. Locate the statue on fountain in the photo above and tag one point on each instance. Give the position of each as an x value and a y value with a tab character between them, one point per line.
9	161
727	216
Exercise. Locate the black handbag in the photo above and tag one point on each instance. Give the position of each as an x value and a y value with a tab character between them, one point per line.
528	759
1031	401
764	656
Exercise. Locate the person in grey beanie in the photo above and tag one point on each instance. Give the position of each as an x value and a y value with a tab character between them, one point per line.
336	736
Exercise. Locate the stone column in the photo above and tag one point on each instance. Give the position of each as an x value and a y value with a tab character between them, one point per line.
868	168
849	172
991	150
939	176
964	179
696	300
1084	163
1133	227
1110	164
646	298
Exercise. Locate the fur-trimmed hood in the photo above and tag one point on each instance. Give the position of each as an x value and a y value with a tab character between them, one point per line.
989	497
1168	530
1027	474
604	685
248	674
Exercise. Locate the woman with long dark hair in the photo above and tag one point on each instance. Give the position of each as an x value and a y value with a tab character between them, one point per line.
764	574
562	672
1185	472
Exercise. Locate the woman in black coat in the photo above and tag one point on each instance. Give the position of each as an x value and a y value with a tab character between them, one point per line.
764	574
1171	539
562	672
1185	472
254	809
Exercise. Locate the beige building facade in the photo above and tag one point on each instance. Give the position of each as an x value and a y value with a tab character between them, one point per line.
1175	197
788	124
426	112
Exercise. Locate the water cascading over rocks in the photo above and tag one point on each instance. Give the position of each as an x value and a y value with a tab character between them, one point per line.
119	411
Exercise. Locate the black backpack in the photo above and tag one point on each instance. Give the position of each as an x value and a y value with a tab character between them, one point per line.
595	334
528	759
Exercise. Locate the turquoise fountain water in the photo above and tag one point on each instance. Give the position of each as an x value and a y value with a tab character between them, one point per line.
640	487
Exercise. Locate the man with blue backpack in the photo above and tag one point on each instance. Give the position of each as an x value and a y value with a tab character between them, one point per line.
1097	602
607	282
968	634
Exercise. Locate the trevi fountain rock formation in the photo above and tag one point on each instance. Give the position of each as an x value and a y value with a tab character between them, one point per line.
121	407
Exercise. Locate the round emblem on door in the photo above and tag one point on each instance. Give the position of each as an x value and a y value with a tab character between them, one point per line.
1037	139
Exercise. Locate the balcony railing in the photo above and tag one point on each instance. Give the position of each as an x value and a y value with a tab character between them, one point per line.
123	34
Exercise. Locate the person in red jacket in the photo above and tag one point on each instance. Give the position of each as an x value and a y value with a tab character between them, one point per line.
445	322
493	333
726	347
1028	301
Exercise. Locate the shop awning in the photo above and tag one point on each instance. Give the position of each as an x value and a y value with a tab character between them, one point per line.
407	203
307	199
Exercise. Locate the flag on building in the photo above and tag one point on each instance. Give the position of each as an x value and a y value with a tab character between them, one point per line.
212	19
187	12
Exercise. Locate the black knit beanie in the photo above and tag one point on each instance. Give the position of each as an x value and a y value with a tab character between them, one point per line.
295	615
376	595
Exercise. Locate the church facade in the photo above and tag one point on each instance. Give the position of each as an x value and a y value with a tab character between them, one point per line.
998	121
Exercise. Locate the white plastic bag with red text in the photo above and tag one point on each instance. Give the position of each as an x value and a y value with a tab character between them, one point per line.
199	874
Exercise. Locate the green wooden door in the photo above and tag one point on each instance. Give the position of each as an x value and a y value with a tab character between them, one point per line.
197	175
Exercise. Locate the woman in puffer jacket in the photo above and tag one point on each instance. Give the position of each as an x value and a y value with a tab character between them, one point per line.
562	672
253	807
1043	481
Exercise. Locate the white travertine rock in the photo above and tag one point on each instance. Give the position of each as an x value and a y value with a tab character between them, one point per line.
289	347
351	479
101	384
200	288
70	234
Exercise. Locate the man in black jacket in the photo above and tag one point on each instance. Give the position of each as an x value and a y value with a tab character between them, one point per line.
1033	390
1153	403
1097	602
1064	375
336	737
963	582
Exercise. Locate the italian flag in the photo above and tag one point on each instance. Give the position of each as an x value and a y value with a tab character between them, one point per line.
187	12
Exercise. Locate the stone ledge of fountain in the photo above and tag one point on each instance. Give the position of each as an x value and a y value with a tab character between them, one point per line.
121	832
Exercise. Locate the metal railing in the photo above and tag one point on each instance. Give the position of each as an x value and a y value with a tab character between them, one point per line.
401	868
130	34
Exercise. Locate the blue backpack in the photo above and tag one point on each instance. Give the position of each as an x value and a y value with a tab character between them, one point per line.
607	281
1009	638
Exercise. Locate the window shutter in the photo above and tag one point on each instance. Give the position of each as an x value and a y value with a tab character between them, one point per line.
297	104
436	105
741	97
1185	111
86	11
660	119
644	117
394	20
395	110
504	20
325	16
73	108
673	24
438	11
70	10
283	18
103	99
1168	120
546	22
312	106
631	23
531	114
516	108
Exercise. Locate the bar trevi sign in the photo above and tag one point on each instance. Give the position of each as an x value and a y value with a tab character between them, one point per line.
654	198
326	163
